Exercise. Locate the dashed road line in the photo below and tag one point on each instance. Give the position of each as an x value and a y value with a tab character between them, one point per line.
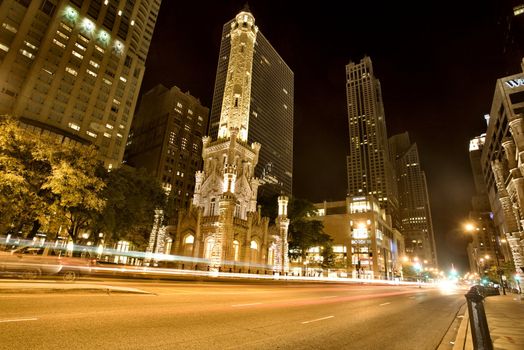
238	305
318	319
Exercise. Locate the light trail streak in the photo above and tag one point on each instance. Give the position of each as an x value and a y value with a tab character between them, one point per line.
19	320
384	304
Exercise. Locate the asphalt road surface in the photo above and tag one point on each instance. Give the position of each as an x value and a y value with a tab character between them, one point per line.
230	315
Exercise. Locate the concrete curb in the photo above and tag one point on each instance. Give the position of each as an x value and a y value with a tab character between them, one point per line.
463	340
42	287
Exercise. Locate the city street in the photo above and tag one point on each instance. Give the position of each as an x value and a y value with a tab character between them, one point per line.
230	315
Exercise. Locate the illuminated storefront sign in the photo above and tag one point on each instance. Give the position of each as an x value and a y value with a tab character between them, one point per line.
513	83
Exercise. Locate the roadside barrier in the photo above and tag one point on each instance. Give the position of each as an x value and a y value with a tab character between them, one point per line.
477	316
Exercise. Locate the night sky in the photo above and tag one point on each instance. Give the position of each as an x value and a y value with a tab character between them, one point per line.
437	63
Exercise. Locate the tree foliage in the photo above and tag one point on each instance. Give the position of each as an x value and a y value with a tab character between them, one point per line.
305	232
24	167
42	180
132	196
75	187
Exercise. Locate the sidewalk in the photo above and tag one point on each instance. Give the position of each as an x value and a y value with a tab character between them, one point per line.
13	286
505	314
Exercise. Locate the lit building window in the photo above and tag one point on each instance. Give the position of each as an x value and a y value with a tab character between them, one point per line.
31	45
108	82
91	73
62	35
4	47
92	134
94	64
100	49
47	71
66	27
115	101
78	55
9	28
109	126
179	105
120	12
123	79
80	46
71	71
27	53
119	135
59	43
74	126
132	22
107	135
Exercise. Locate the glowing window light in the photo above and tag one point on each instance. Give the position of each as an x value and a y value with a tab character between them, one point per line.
88	26
132	22
190	239
118	47
9	28
80	46
62	35
103	37
92	134
4	47
56	42
70	14
27	53
91	73
71	71
78	55
123	79
107	135
74	126
253	245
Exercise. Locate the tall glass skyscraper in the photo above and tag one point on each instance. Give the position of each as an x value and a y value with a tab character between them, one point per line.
73	69
369	169
270	114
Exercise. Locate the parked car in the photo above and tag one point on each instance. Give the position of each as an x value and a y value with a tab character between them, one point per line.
31	262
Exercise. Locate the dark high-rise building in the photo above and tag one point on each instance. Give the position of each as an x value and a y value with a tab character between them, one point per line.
73	69
270	114
166	139
369	169
483	251
414	209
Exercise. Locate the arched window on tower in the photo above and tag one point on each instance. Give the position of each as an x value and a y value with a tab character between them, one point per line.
212	206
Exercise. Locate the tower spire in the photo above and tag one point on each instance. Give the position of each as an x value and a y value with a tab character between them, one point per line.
237	90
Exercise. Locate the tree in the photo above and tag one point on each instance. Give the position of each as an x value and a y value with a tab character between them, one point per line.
328	256
75	186
304	232
132	196
24	168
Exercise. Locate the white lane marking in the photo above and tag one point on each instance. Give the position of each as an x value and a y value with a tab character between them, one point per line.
19	320
237	305
329	296
318	319
384	304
